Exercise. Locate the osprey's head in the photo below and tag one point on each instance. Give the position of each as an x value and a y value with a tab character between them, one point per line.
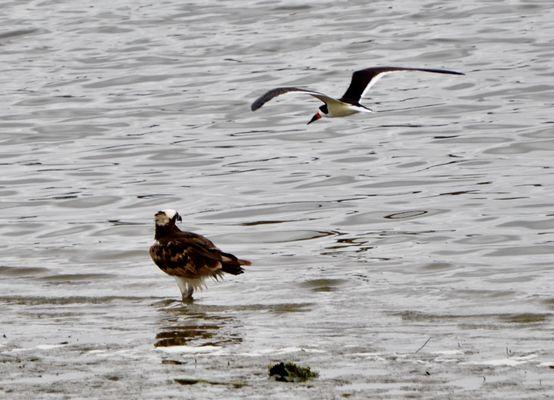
167	217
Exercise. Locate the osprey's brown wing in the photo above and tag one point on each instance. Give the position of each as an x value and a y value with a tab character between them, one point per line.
191	256
260	101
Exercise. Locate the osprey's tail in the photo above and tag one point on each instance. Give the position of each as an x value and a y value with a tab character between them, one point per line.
232	264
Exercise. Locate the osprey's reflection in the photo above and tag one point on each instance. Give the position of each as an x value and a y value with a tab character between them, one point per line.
197	326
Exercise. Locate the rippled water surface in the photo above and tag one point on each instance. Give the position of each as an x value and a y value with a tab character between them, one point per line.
401	254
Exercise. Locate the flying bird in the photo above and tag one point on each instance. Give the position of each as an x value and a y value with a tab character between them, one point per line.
349	103
188	257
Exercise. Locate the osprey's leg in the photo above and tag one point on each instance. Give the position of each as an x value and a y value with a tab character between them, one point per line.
187	295
186	289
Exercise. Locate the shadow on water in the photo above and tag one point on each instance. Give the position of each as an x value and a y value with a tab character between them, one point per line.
483	321
323	284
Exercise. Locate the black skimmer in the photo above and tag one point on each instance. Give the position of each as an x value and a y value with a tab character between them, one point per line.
349	103
188	257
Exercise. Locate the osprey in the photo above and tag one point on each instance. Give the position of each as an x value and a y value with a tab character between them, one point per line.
349	103
188	257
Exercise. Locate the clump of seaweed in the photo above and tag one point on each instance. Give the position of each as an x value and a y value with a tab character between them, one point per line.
290	372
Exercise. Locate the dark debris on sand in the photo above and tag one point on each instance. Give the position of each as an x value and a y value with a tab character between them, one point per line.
290	372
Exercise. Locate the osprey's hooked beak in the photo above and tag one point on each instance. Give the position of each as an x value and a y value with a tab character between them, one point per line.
179	218
315	118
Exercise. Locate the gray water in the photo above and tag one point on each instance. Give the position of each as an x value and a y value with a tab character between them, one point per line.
401	254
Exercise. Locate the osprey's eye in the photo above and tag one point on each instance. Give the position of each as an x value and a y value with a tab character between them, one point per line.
324	109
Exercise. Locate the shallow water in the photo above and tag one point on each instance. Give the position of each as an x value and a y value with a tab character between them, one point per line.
406	253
